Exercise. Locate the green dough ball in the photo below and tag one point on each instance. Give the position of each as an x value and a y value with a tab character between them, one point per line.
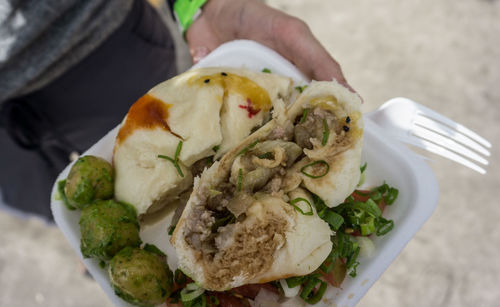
89	179
106	227
140	277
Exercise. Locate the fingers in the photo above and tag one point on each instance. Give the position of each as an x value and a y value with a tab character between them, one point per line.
201	39
297	43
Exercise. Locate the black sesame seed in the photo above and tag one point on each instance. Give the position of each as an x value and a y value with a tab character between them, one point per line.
346	129
224	74
207	80
348	119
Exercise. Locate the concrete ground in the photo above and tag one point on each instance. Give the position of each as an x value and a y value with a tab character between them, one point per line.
444	54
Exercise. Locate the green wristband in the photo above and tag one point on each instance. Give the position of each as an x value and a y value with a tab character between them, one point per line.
186	12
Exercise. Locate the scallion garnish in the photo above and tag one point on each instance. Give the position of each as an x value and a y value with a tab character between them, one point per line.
266	70
368	206
368	226
363	167
326	132
335	220
191	292
226	219
240	180
215	148
392	194
247	149
384	226
295	281
308	293
171	230
299	199
304	116
322	162
175	160
268	155
301	88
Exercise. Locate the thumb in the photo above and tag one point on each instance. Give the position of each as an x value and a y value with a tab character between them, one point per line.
198	53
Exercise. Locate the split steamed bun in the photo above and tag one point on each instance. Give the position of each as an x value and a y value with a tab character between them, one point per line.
251	216
203	112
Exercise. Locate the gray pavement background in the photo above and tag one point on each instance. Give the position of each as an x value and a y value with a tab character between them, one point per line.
442	53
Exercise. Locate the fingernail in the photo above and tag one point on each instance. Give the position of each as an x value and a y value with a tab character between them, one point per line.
199	53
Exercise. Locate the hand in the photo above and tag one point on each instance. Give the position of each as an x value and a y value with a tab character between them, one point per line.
225	20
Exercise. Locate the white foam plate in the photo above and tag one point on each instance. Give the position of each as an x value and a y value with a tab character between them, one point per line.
387	161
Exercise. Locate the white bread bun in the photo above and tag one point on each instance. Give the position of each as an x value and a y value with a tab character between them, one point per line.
203	114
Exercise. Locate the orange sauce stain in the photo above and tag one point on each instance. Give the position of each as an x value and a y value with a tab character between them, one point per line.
255	96
146	113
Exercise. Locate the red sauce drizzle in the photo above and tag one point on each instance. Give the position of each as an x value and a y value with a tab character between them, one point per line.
249	107
147	113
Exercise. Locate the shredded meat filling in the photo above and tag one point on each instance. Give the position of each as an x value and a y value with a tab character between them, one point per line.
250	253
232	244
312	126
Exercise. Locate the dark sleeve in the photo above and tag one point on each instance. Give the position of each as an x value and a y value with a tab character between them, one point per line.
171	7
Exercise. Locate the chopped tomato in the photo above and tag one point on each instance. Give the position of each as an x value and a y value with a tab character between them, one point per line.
361	195
364	195
336	275
251	291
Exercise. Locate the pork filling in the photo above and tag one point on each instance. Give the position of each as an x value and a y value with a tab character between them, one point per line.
215	228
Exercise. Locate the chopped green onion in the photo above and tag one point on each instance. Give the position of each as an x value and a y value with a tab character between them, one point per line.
223	221
171	230
295	281
178	151
362	177
247	149
266	70
304	116
175	160
392	194
368	227
190	292
322	162
268	155
240	180
369	206
318	295
299	199
384	226
326	132
309	287
351	260
215	148
301	88
363	167
333	219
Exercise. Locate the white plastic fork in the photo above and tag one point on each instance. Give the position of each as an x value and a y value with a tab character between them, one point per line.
417	125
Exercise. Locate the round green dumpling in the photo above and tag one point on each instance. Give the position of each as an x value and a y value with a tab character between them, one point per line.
141	277
106	227
90	178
